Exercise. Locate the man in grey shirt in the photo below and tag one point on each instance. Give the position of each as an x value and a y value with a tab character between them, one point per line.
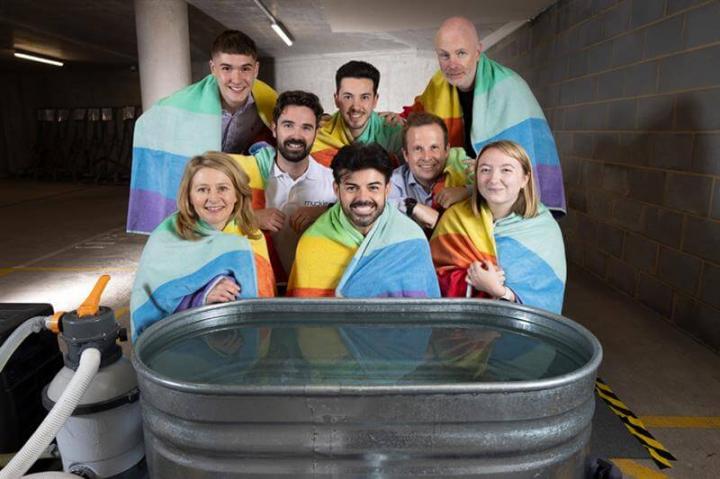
434	176
241	127
235	66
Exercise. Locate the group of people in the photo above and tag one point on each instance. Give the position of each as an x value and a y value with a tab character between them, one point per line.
454	197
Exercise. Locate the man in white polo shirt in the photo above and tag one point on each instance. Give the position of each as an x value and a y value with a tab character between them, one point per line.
297	189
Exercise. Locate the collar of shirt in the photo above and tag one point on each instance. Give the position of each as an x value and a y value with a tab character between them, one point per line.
242	109
414	188
312	172
411	181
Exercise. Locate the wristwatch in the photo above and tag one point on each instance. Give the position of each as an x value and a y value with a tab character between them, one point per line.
410	206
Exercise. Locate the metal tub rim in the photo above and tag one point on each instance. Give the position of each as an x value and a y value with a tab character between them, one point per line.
533	319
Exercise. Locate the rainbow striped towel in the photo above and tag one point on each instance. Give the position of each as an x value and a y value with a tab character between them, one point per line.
530	251
333	135
393	260
258	168
504	108
335	259
185	124
455	173
171	268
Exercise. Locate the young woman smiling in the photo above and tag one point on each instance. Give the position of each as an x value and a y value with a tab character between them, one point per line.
502	242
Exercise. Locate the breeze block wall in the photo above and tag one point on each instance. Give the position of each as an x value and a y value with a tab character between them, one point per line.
631	89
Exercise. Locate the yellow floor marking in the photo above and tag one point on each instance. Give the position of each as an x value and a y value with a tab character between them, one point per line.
633	470
5	271
689	422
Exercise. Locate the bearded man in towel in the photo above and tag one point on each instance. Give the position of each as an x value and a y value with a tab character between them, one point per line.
360	248
482	101
290	188
229	110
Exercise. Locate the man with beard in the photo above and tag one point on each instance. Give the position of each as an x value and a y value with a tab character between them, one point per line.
229	110
356	95
290	188
482	101
359	248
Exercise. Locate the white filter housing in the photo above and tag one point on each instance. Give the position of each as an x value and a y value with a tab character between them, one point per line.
107	442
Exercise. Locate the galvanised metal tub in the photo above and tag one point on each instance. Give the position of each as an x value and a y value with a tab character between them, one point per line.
367	388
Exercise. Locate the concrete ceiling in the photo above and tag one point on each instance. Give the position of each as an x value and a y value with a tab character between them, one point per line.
92	33
331	26
84	33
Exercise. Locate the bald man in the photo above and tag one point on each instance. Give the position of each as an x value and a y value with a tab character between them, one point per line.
482	101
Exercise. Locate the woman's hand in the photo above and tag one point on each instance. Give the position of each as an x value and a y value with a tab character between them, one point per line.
485	276
226	290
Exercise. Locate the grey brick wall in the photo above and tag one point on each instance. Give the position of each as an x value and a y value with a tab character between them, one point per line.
631	89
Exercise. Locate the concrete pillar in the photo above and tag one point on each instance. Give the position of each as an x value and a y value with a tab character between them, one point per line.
163	41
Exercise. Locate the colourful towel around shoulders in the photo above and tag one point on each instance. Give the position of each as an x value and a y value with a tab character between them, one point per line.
455	245
530	251
393	260
456	173
258	168
335	259
171	268
176	128
504	108
334	134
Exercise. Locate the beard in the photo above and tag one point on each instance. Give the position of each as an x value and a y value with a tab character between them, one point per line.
362	221
293	156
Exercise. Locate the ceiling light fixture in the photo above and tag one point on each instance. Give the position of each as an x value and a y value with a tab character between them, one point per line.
36	58
276	24
282	33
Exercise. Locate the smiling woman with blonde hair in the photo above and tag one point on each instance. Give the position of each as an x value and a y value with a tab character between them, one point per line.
209	251
502	243
240	212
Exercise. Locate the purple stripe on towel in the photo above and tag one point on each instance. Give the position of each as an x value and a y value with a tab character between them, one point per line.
552	190
147	209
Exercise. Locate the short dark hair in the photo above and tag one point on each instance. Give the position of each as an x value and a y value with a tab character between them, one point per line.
298	98
234	42
422	118
361	156
356	69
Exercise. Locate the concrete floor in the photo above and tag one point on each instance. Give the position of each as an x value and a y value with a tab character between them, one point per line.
58	238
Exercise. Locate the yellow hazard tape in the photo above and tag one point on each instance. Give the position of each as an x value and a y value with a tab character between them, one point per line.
603	386
633	470
634	425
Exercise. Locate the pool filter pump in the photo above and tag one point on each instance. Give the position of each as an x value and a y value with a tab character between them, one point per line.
103	437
